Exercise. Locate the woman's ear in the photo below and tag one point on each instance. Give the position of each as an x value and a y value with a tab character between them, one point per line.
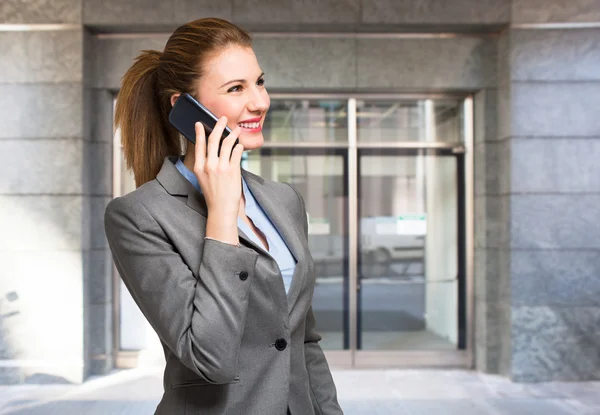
174	98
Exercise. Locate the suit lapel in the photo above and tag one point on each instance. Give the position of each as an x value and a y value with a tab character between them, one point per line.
269	200
177	185
275	207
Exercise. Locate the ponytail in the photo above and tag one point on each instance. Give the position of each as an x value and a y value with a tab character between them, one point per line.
141	115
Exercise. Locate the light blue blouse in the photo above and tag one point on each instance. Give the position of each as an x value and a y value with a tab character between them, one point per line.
277	246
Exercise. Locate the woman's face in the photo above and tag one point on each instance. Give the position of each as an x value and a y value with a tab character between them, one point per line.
233	86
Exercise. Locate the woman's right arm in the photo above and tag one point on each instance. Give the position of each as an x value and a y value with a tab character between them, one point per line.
200	320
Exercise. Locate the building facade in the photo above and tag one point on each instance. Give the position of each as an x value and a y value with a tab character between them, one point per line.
465	127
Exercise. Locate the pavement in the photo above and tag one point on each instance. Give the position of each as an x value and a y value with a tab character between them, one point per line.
360	392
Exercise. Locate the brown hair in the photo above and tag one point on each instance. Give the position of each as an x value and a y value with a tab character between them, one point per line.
144	101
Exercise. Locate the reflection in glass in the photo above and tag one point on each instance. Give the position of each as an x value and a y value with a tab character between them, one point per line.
397	121
408	252
298	121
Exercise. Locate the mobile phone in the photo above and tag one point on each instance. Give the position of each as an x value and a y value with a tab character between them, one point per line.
187	111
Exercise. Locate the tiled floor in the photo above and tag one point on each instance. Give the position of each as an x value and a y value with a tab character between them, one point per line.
368	392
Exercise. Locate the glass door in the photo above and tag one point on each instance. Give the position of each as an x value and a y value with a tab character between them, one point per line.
384	182
389	203
409	274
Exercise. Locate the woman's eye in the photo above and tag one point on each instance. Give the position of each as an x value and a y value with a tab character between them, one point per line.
236	88
260	82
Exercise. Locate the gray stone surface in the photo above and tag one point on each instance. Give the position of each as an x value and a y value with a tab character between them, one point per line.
97	236
555	343
493	284
559	165
41	222
114	12
436	11
497	229
480	167
153	12
113	57
288	62
361	392
480	267
187	10
98	311
555	55
555	278
485	114
555	221
544	11
547	95
504	111
97	168
500	157
89	52
555	109
492	352
98	118
496	165
307	62
40	11
41	57
426	63
99	327
99	276
482	347
296	11
480	222
503	96
41	110
52	166
332	63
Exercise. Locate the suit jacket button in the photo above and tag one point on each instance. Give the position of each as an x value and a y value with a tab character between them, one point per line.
280	344
243	275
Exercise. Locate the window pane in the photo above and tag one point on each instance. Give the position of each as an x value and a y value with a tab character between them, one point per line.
398	121
303	120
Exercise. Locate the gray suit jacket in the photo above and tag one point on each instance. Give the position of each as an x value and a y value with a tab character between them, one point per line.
234	342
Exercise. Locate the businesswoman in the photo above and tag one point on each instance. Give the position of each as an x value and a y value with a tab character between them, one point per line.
216	257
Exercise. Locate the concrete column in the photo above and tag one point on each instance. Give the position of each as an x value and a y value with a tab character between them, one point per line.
52	193
548	102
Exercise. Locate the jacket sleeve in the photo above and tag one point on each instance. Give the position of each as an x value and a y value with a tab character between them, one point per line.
200	320
322	388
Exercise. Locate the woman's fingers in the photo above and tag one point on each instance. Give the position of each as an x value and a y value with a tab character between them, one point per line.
227	146
200	150
214	138
236	154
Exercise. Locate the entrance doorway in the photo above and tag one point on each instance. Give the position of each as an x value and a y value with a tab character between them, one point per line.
386	185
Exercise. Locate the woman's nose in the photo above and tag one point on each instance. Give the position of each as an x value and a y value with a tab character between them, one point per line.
259	101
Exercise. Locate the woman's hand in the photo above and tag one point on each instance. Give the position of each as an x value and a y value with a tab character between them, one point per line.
220	179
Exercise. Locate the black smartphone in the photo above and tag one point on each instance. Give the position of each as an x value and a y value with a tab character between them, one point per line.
187	111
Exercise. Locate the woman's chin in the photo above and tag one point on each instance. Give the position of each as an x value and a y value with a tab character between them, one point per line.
252	141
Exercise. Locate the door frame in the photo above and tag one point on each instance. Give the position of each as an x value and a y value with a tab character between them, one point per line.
353	358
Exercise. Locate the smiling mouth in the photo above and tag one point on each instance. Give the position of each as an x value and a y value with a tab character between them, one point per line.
250	125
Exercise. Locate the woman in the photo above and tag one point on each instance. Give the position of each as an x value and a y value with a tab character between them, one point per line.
216	258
